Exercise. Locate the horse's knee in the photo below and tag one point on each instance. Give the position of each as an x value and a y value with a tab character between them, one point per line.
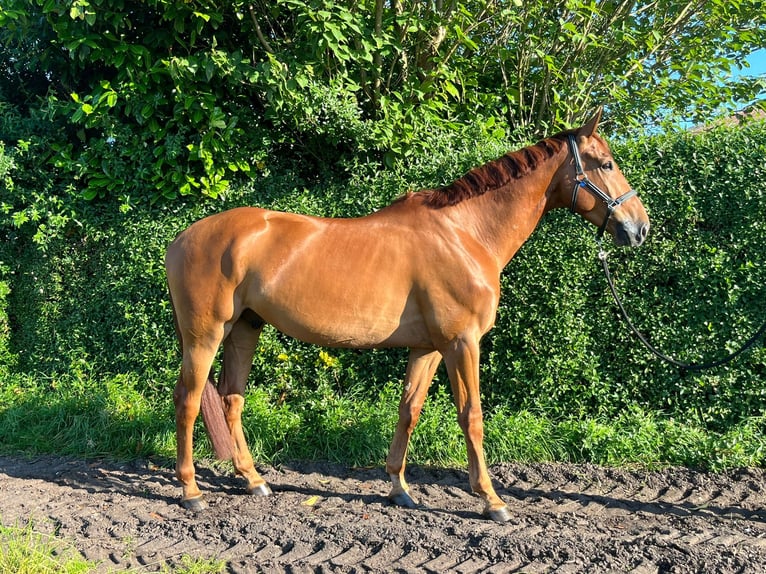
233	405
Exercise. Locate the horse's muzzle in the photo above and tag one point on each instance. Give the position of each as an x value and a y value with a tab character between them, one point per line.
630	233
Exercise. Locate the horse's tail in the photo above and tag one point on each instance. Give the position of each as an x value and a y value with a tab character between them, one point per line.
215	421
211	405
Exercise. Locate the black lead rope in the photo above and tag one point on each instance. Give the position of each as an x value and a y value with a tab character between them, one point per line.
582	181
602	255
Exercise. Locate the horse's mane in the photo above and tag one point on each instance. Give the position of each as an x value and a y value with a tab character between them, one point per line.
494	174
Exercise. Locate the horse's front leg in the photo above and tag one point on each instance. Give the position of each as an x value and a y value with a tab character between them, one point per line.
462	360
420	371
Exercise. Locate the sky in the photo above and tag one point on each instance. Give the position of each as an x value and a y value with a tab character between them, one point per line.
757	62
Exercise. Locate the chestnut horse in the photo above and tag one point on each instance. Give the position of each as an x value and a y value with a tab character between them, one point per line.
422	273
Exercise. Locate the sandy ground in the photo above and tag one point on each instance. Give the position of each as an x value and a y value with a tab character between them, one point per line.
330	518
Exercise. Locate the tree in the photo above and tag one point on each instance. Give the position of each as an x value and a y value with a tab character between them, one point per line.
542	64
169	97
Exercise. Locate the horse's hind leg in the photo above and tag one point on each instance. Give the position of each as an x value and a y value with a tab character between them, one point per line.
238	349
420	371
198	357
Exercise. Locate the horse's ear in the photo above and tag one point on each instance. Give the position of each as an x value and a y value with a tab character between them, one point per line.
590	127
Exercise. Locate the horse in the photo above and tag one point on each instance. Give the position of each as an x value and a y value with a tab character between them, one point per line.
421	273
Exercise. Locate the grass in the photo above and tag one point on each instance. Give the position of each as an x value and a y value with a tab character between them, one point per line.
82	416
26	550
79	416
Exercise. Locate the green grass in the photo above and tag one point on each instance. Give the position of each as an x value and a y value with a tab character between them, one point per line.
83	416
23	550
87	416
26	550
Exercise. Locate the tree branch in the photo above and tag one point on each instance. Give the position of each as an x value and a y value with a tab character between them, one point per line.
261	38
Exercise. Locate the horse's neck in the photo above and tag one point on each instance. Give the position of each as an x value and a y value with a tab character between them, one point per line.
503	219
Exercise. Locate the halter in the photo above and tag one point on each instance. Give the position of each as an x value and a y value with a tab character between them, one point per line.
584	182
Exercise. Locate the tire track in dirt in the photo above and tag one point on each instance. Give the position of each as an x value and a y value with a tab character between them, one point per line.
328	518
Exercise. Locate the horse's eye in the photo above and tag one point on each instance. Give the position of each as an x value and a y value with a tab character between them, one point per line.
608	166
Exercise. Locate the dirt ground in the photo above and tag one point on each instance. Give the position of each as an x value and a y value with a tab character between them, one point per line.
329	518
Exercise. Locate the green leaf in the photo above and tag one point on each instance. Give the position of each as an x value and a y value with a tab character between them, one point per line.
451	89
89	194
19	218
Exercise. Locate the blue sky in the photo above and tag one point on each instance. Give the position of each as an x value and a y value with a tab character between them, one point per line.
757	62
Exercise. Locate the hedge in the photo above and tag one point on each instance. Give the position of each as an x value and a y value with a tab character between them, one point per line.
89	295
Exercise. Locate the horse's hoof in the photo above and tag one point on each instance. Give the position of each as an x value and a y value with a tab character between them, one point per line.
196	504
260	490
501	514
402	499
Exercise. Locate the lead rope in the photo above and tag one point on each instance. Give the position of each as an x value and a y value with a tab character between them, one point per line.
602	255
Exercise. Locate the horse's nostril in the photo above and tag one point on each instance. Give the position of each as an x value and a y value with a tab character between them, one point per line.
636	233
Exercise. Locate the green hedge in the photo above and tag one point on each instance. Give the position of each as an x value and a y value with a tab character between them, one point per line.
696	288
86	300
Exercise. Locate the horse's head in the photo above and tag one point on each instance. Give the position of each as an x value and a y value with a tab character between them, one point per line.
598	189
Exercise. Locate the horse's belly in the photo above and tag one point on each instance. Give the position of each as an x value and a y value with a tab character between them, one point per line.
333	322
